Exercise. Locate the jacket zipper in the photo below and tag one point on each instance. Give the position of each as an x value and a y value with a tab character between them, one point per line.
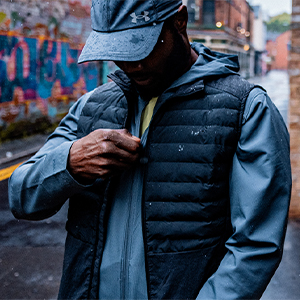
129	224
126	251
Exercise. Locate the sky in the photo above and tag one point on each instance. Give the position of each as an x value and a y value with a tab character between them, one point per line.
273	7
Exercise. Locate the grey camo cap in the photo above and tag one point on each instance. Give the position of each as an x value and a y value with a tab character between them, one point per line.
126	30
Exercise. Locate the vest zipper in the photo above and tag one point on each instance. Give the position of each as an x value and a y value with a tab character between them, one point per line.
101	212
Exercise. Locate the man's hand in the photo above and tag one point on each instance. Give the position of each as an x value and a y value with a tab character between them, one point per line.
103	153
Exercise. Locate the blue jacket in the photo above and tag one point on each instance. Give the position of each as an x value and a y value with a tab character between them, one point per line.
253	206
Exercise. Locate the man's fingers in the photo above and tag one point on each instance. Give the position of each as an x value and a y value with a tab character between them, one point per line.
109	149
122	139
103	153
104	167
126	132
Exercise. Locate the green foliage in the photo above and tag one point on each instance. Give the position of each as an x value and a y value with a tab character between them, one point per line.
24	128
280	23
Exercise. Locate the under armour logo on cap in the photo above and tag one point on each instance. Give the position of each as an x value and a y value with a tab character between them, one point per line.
144	15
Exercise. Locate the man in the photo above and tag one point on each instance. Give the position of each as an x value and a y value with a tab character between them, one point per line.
177	171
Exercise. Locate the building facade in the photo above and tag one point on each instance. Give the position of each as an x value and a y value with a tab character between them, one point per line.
294	108
278	52
225	26
259	39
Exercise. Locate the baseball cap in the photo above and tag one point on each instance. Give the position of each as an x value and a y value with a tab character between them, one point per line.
126	30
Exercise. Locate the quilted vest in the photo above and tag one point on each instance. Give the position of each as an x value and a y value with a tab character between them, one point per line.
186	221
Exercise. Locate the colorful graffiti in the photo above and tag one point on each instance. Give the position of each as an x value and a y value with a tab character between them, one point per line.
39	75
56	19
40	42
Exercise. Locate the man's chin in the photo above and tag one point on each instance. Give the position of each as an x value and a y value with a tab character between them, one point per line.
149	91
146	82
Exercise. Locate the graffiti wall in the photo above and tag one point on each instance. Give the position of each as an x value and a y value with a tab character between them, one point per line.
56	19
40	42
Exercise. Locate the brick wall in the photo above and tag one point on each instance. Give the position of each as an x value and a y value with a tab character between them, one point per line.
278	52
294	115
282	57
235	14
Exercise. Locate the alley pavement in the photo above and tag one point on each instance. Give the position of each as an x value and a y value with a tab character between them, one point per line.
276	83
31	253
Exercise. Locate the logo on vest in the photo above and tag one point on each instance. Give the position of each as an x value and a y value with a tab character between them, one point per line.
144	15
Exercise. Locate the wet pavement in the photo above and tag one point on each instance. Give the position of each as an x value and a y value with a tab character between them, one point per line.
18	150
31	253
285	285
276	83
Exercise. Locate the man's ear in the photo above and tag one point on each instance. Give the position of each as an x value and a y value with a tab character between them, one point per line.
181	19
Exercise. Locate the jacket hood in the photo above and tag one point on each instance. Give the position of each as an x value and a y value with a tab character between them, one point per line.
208	65
214	63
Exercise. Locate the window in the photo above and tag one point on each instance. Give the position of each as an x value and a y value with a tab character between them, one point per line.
208	12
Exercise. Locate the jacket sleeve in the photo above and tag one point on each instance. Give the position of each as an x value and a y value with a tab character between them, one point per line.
39	187
260	188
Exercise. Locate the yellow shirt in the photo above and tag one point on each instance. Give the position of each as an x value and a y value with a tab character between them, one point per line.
147	115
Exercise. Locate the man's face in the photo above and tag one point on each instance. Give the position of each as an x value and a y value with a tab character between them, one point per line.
166	62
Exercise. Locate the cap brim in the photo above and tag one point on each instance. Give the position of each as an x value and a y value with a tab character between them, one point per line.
127	45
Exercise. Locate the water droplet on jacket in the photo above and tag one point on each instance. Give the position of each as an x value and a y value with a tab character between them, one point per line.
181	148
8	154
